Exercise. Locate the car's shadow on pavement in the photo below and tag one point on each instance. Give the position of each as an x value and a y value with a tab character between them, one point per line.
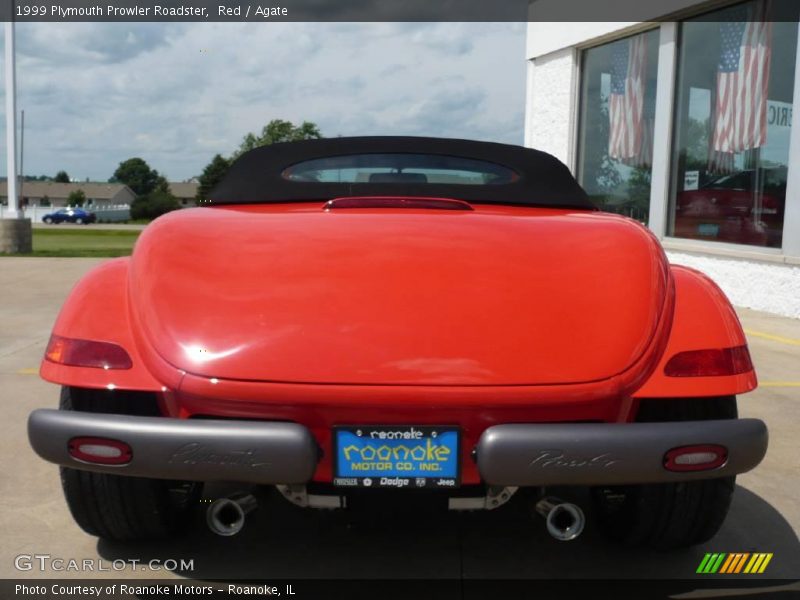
282	541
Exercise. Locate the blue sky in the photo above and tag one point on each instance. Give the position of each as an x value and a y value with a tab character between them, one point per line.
175	94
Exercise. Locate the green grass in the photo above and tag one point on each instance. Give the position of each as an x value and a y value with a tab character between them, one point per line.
83	242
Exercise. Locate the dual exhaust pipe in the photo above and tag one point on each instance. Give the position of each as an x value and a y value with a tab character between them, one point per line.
226	517
564	520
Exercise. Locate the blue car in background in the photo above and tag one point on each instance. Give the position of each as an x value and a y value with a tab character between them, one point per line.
70	215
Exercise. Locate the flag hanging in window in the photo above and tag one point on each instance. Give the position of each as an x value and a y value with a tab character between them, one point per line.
626	100
740	111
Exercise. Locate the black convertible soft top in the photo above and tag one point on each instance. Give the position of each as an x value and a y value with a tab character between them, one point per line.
539	179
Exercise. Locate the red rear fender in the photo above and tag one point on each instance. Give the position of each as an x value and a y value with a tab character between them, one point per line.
704	320
97	310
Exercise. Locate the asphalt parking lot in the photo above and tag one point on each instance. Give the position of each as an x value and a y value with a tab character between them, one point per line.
282	541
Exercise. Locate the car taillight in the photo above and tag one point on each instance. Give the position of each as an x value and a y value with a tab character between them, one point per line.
87	353
709	362
695	458
100	450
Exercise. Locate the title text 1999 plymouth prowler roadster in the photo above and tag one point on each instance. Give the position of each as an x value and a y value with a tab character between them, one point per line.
433	315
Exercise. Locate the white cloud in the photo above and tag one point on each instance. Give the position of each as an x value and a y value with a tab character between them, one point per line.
175	94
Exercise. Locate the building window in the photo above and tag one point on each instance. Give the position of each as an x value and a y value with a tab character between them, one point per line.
617	111
732	124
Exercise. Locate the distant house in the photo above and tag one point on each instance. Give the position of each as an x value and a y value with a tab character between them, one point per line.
50	193
184	191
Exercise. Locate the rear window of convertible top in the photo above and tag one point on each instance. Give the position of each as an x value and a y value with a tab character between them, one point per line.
400	168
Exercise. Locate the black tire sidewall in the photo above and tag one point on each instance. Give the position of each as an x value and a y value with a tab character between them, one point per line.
118	507
669	515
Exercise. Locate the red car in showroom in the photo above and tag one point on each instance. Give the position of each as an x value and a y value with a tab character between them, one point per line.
745	207
436	316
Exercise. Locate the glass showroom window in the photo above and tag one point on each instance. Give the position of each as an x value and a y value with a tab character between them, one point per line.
732	123
617	110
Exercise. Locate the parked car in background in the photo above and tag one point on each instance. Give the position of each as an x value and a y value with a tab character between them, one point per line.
745	207
70	215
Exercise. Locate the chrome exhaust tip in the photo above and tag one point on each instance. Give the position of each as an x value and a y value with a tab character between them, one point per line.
226	516
565	521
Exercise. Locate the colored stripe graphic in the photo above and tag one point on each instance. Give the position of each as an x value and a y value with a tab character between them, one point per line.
711	562
727	564
741	562
730	564
764	564
734	562
755	562
703	563
717	563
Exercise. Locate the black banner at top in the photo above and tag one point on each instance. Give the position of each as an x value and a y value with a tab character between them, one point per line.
367	10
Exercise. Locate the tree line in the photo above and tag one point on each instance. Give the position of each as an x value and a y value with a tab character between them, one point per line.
153	196
274	132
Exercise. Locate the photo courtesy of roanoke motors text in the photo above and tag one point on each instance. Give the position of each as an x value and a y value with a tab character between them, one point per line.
400	299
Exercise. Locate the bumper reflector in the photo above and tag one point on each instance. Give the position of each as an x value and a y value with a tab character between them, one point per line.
100	450
709	363
696	458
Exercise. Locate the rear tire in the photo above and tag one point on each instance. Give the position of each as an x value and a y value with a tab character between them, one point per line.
47	220
668	516
79	221
124	508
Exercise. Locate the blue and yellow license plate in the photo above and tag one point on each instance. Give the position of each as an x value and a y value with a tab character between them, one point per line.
396	456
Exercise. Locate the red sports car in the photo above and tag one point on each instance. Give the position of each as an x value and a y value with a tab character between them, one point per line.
448	317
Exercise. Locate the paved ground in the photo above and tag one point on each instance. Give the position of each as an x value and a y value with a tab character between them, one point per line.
284	541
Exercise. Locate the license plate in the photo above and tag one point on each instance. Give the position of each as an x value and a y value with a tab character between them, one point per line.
396	456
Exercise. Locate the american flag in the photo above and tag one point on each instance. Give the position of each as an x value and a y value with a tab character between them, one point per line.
626	101
740	121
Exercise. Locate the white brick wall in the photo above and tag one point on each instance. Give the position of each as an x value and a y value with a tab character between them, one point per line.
548	114
752	284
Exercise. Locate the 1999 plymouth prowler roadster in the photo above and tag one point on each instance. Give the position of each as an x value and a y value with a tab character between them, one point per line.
443	316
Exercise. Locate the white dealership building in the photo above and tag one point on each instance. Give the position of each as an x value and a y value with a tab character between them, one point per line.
686	125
